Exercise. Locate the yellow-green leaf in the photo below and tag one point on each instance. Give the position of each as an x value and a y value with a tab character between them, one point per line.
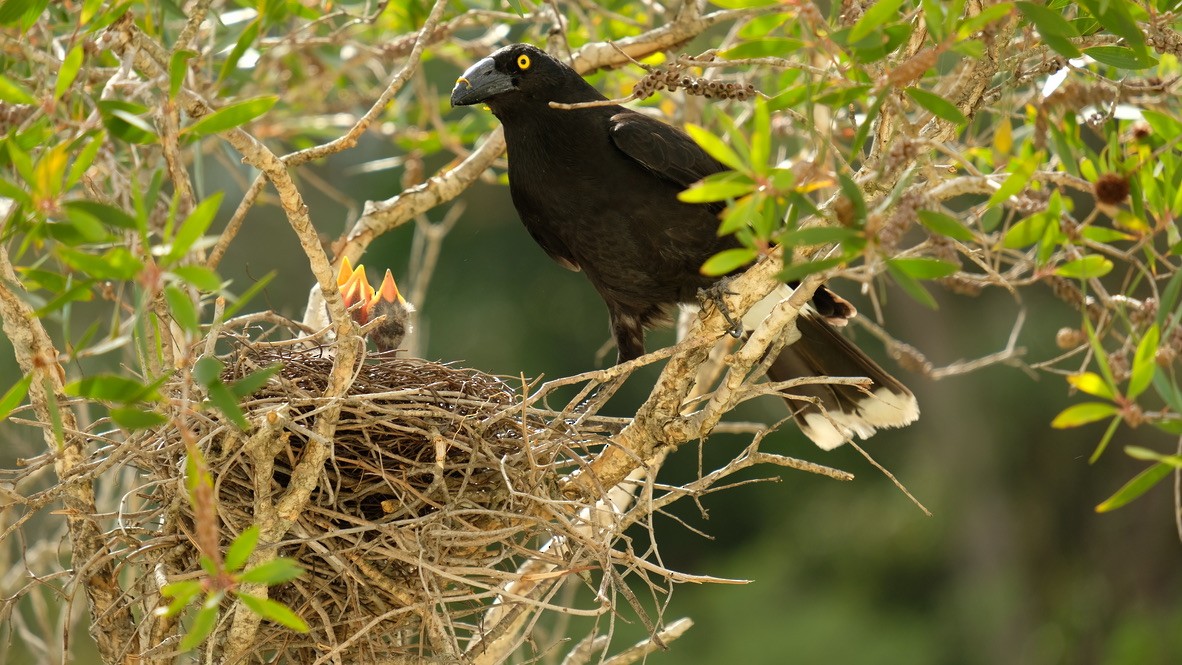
1144	364
715	146
1082	414
728	260
68	72
1087	267
14	93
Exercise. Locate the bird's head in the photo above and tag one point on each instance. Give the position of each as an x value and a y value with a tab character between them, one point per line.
519	71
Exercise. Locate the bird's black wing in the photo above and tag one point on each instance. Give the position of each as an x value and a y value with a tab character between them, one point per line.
662	148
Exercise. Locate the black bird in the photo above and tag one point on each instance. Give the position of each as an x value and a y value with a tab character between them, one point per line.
597	188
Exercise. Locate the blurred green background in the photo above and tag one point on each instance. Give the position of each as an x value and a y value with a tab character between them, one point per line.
1014	566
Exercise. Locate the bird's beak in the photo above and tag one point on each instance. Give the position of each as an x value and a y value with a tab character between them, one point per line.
388	291
481	82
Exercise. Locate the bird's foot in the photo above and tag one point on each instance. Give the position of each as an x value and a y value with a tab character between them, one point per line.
716	296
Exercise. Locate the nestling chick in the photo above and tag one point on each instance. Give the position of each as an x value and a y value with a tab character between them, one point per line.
366	305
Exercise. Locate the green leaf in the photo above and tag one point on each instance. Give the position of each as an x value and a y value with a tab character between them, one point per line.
122	119
274	611
250	383
728	260
718	187
878	15
112	388
817	235
194	226
229	117
14	93
132	418
1144	364
740	214
911	286
12	10
1169	298
974	24
178	65
1082	414
1026	232
182	593
208	371
203	623
1092	384
853	193
1120	57
761	137
201	277
945	225
1147	455
225	402
245	40
1055	30
1114	16
83	160
923	268
1140	484
107	214
1022	171
184	312
68	72
716	147
937	105
801	269
14	396
242	547
1087	267
760	48
1103	234
1099	352
275	571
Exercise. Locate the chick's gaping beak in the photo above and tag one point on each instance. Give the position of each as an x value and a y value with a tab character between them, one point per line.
481	82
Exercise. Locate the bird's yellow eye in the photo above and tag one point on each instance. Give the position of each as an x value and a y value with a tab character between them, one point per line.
523	61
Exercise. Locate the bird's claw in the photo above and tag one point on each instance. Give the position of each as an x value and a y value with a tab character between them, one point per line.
716	295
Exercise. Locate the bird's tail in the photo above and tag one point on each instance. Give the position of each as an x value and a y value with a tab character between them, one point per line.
839	411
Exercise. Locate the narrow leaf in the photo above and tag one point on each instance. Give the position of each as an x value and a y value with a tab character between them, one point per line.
275	571
878	15
241	549
203	624
911	286
68	72
937	105
922	268
945	225
1087	267
133	418
14	396
716	147
728	260
14	93
234	115
1140	484
274	611
1082	414
1144	364
1092	384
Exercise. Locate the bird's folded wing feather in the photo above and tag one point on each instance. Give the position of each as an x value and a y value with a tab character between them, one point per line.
661	148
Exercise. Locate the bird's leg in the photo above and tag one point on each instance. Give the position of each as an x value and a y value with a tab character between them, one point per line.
716	294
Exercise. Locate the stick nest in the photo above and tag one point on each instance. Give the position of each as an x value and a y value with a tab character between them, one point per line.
441	482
